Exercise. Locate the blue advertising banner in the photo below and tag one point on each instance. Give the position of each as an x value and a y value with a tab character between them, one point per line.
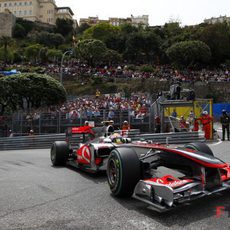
218	107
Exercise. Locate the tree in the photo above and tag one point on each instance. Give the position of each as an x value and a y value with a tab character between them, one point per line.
217	37
189	53
5	42
54	55
32	52
92	51
30	90
142	46
49	39
101	31
19	31
64	26
112	57
80	30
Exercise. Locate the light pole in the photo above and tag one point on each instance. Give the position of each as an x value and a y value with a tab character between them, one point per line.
62	59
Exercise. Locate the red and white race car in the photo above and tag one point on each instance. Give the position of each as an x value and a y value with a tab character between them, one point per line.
86	148
166	177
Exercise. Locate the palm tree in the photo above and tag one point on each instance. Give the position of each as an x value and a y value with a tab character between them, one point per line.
5	41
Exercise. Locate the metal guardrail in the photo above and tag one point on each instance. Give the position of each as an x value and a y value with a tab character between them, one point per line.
172	138
45	141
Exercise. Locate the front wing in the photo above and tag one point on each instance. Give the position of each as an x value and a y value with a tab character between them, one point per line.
165	196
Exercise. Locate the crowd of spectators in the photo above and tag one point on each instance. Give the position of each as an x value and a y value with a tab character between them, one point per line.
75	69
161	73
106	107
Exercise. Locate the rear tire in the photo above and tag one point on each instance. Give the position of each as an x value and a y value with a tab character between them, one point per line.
201	147
123	171
59	153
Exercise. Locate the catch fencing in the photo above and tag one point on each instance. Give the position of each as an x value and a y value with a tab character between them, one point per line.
45	141
20	124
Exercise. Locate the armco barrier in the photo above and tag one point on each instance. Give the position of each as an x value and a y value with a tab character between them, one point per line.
45	141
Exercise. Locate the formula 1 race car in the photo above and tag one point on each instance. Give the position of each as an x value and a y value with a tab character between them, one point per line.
86	148
165	177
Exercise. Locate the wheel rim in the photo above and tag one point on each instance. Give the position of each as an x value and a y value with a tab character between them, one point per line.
113	172
53	155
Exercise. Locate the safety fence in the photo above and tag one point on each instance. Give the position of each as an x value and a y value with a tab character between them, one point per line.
45	141
57	122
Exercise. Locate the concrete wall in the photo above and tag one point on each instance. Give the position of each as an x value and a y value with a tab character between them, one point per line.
7	22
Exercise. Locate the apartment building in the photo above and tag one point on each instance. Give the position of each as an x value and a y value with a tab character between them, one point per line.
220	19
135	21
44	11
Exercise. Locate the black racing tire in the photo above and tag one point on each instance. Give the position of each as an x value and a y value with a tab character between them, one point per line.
59	153
201	147
123	171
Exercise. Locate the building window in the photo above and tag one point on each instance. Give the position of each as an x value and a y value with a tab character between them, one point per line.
15	3
30	12
20	3
15	12
30	3
20	12
10	4
25	12
5	4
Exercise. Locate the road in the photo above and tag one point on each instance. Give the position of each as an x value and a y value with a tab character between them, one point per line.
35	195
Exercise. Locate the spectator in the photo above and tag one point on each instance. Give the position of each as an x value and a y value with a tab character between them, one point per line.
182	124
174	113
225	121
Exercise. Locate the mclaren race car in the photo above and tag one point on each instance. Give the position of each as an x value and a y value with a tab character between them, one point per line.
86	148
166	177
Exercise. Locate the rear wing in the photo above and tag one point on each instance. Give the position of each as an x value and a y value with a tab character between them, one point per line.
77	135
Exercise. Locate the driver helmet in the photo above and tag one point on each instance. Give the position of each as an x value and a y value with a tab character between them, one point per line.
223	111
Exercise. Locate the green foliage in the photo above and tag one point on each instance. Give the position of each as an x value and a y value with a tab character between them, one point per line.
35	89
147	69
132	67
217	37
5	41
97	81
32	52
92	51
54	55
189	53
19	31
49	39
64	26
80	30
134	45
127	29
28	26
112	57
142	46
101	31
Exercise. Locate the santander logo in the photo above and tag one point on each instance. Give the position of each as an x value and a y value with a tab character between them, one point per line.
171	182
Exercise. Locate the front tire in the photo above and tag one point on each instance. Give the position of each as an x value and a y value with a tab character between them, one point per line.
123	171
59	153
201	147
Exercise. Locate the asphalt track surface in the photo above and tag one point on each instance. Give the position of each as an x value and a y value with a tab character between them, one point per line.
35	195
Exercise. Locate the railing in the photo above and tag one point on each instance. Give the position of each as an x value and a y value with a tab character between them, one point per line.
57	122
45	141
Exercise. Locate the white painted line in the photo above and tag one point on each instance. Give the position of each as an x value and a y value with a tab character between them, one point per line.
219	142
